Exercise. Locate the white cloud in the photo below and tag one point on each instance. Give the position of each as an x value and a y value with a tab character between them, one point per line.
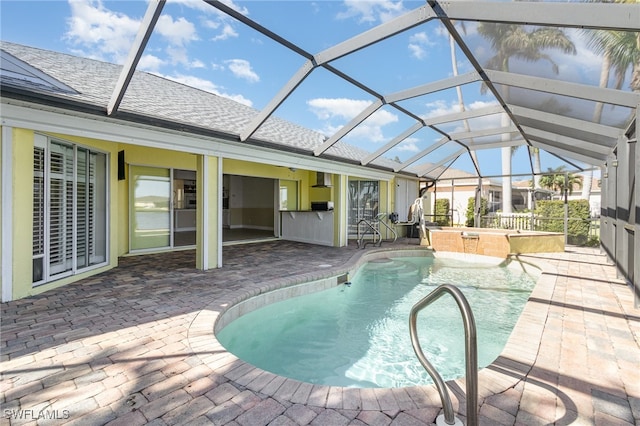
242	69
208	23
178	32
236	7
208	86
371	128
417	51
99	32
178	54
223	20
343	110
372	11
418	43
421	38
409	145
464	28
204	7
227	32
442	107
196	63
193	4
584	63
150	63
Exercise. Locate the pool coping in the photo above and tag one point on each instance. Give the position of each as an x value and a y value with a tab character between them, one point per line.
511	366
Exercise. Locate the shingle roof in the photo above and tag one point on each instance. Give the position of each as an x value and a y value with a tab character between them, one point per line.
155	97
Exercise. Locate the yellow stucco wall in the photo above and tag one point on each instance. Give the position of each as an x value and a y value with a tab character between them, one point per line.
22	205
23	142
22	212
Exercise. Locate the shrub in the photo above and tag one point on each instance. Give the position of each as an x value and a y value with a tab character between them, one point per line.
471	204
442	217
593	241
551	219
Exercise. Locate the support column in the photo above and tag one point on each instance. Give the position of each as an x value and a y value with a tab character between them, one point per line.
209	213
636	240
341	228
623	194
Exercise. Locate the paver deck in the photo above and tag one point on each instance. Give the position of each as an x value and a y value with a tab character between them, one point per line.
127	347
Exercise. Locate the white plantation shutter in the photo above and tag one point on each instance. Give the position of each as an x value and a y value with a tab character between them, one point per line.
60	209
82	208
38	213
69	210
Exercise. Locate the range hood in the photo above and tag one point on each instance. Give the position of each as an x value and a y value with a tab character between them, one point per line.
323	180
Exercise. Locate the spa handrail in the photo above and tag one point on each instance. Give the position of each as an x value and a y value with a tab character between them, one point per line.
471	353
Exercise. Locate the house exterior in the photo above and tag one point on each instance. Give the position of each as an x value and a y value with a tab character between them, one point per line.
595	195
455	187
458	186
80	188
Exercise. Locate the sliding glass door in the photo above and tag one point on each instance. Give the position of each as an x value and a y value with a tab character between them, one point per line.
363	202
150	202
162	208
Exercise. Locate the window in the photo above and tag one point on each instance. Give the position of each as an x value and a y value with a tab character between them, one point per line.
288	194
69	209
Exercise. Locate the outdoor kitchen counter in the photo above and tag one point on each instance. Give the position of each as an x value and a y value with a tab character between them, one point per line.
308	226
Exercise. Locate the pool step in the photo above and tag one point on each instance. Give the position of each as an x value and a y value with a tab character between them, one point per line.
392	265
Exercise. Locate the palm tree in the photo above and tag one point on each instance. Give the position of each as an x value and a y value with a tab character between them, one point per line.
515	41
619	50
555	180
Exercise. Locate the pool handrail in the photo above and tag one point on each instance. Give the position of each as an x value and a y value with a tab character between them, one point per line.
471	354
374	226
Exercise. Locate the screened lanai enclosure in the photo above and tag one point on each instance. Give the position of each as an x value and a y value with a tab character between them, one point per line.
500	95
526	88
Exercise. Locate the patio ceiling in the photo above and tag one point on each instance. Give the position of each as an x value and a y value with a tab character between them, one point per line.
560	101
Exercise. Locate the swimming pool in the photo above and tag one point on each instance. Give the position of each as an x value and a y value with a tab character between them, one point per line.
357	335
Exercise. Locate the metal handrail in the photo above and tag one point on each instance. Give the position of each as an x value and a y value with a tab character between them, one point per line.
393	231
374	226
471	353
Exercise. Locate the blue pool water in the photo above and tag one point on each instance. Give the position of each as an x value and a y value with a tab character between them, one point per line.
358	335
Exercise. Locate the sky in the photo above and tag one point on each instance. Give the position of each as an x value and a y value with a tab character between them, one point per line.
193	43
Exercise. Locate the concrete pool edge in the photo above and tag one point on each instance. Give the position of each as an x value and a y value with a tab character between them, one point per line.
509	368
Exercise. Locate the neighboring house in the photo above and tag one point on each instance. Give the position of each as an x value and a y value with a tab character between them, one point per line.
81	188
458	186
594	197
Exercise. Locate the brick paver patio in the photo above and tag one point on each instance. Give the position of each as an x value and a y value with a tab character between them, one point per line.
127	347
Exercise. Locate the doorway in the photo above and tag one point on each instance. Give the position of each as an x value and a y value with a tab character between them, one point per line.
249	209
